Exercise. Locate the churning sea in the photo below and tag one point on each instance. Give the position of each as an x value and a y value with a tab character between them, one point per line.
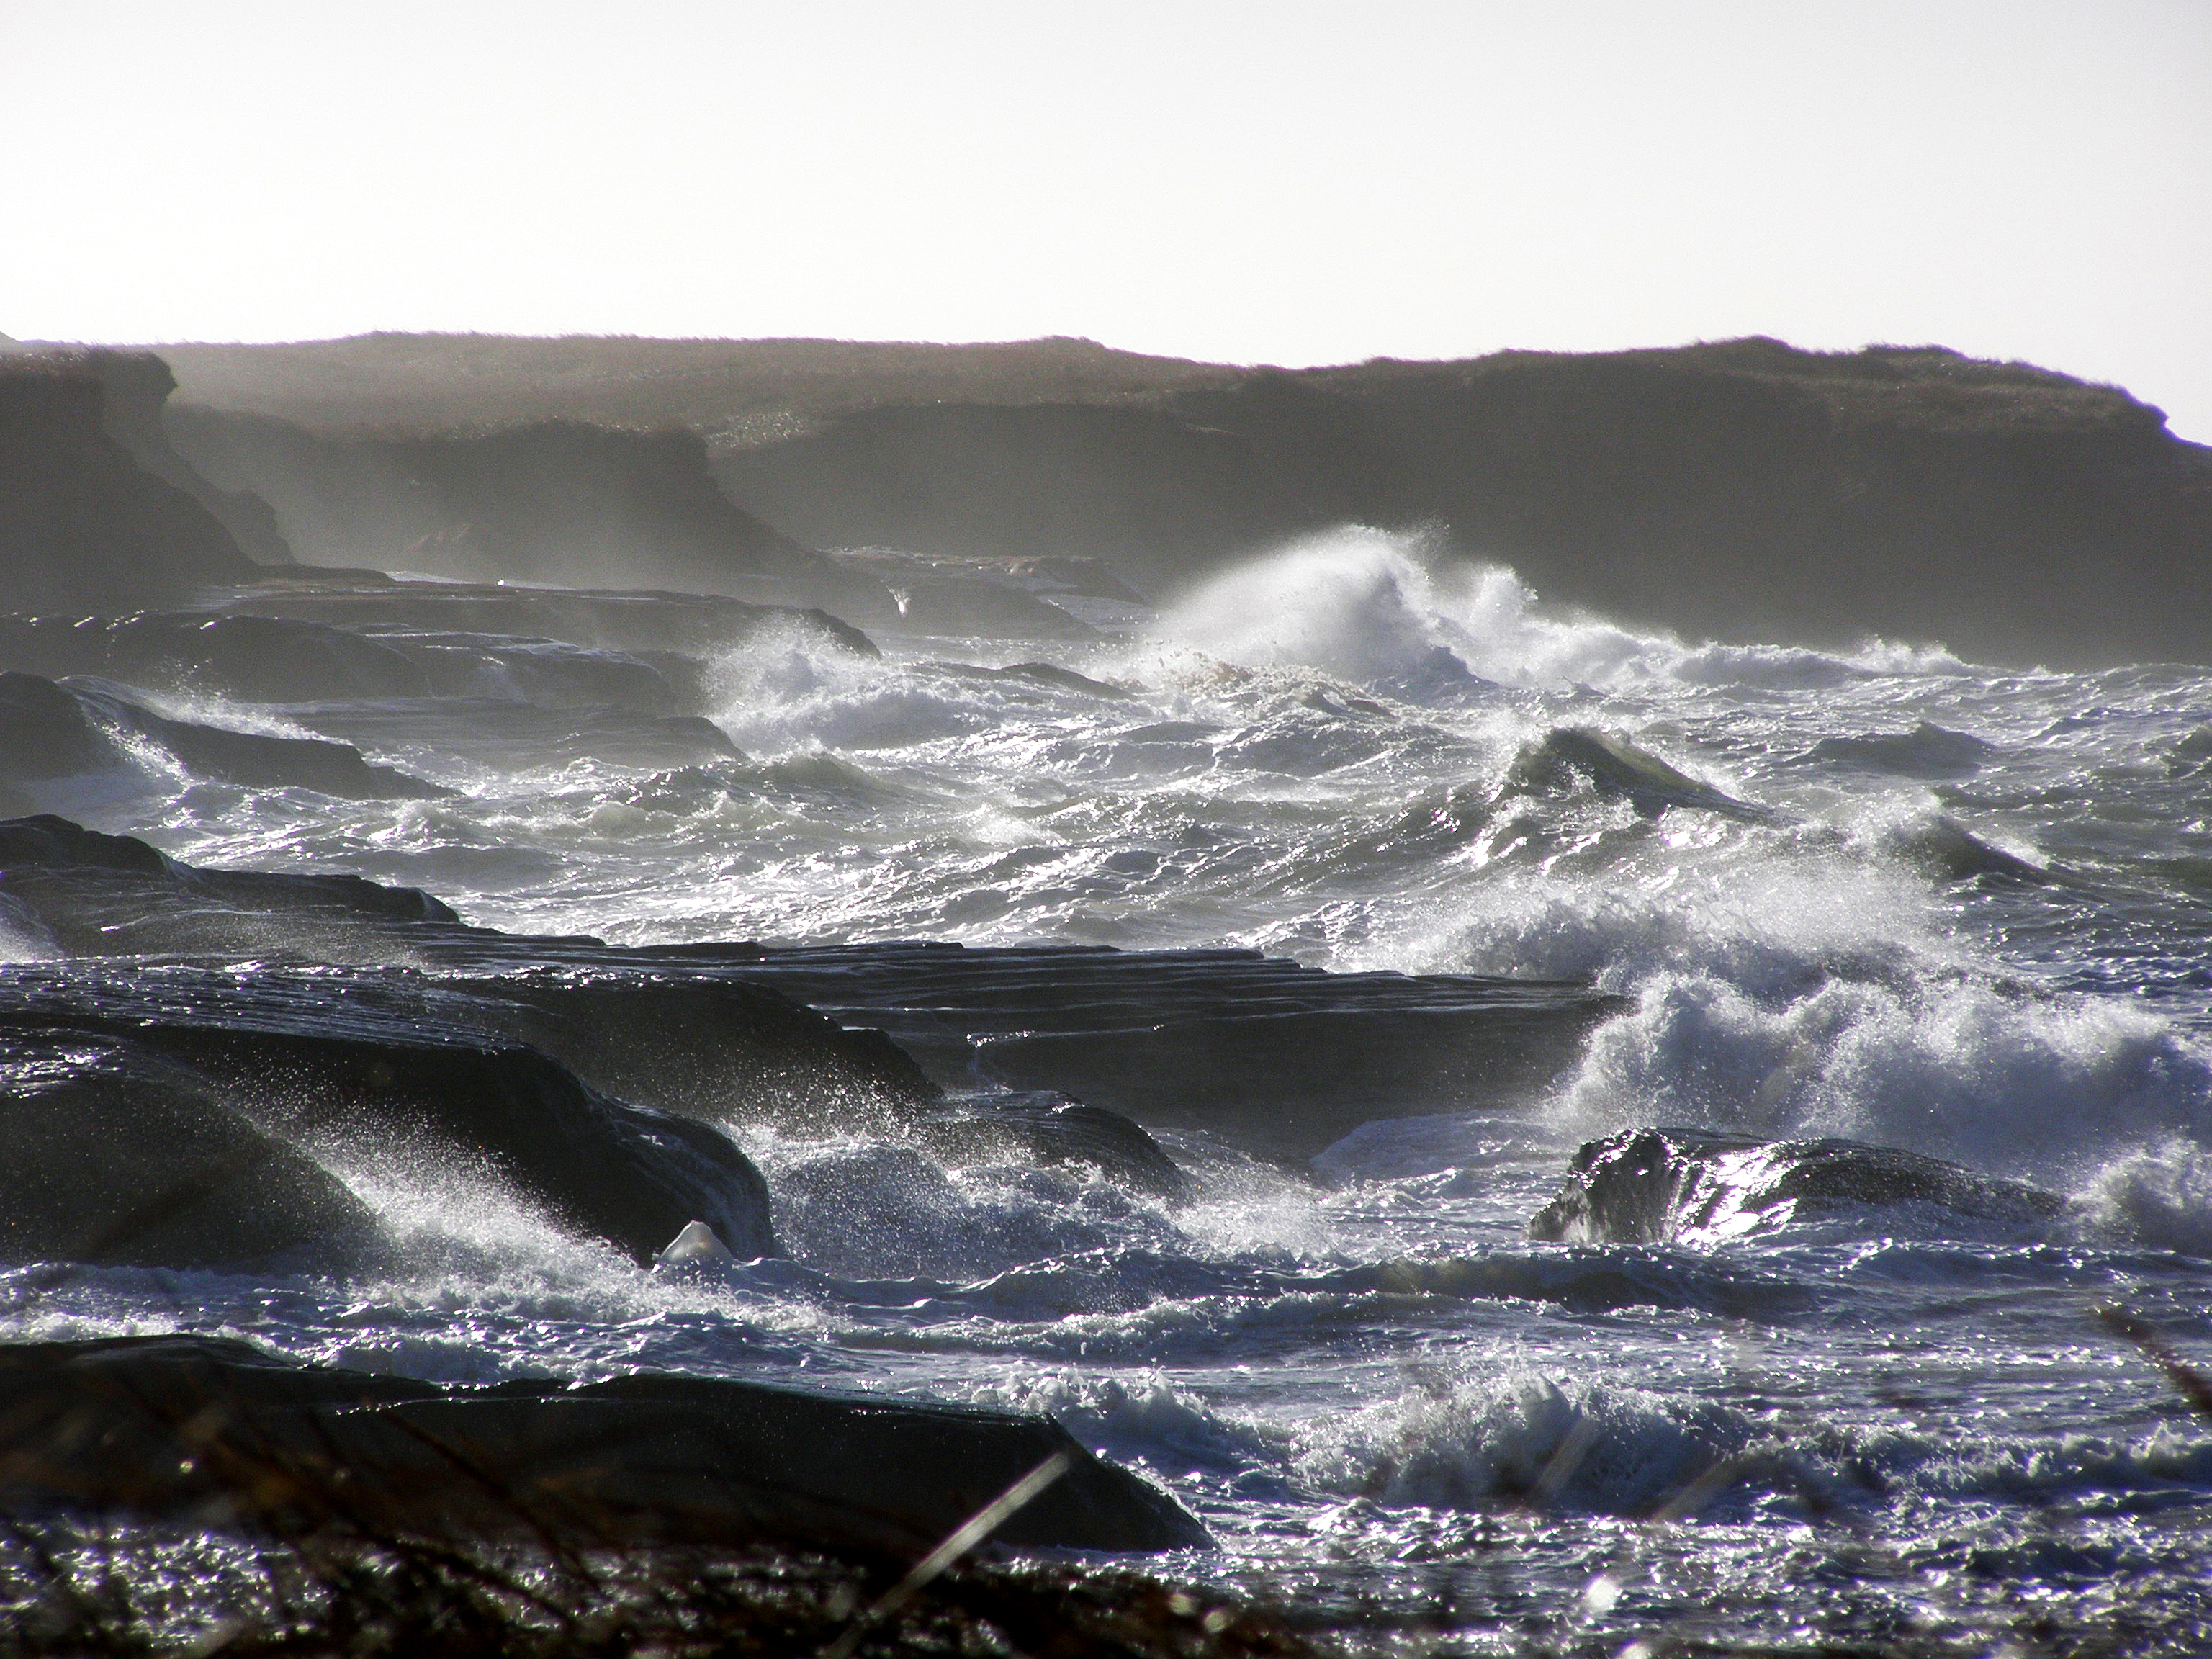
1884	1424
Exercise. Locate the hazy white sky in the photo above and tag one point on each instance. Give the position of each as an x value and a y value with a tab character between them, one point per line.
1277	182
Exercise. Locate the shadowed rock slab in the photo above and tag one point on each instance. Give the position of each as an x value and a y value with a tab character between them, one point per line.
54	731
619	619
117	1156
1268	1055
1651	1186
114	895
99	1426
254	659
382	1071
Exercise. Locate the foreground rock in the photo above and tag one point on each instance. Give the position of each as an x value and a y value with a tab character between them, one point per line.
687	1033
214	1433
1654	1185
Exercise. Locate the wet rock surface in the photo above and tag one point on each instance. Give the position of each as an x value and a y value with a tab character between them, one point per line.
117	1154
50	732
99	1426
1260	1051
1654	1185
1581	756
1263	1053
378	1074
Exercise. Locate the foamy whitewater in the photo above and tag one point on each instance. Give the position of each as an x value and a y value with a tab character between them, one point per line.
1368	1383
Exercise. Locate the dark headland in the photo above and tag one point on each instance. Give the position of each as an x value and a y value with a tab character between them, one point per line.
1741	490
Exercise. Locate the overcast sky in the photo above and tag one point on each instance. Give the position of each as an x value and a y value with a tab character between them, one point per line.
1255	182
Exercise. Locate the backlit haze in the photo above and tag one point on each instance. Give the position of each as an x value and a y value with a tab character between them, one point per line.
1287	182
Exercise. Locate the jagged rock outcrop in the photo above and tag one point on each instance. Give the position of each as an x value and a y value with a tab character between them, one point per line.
1653	1186
218	1433
83	526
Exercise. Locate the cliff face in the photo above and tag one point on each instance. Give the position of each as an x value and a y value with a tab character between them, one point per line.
553	502
1158	497
1744	490
135	387
83	526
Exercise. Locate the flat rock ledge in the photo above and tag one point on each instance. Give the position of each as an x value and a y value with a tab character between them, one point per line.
215	1433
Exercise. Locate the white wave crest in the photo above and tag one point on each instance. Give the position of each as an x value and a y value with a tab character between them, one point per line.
1478	1441
1370	606
1141	1416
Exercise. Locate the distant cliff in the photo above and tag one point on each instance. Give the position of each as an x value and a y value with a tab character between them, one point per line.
135	387
549	502
84	525
1742	490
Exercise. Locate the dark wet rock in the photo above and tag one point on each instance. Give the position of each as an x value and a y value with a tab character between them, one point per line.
251	658
82	525
1044	1128
710	1048
114	895
90	719
287	659
552	673
723	1051
1265	1054
1927	750
2189	756
1651	1185
606	619
46	733
115	1155
698	1039
217	1433
1571	757
384	1071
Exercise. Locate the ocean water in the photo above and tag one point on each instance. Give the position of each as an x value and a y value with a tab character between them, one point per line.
1913	901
